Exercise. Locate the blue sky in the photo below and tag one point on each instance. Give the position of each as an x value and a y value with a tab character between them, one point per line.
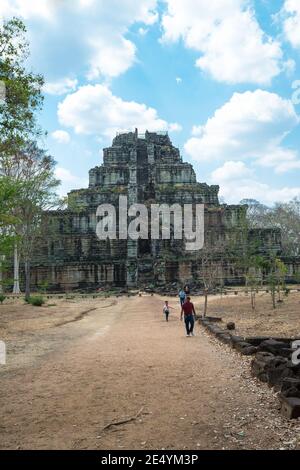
217	75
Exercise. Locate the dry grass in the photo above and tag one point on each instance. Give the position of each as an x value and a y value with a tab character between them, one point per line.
264	321
18	317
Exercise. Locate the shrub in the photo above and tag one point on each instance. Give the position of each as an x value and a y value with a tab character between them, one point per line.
36	301
2	298
287	292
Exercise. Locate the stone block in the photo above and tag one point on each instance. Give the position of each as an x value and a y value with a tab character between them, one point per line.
264	356
270	368
213	319
224	338
290	407
290	382
287	341
216	330
287	352
273	346
236	339
277	373
290	387
221	332
210	327
203	321
256	340
249	350
241	345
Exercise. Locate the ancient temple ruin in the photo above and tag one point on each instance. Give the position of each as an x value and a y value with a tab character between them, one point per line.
147	169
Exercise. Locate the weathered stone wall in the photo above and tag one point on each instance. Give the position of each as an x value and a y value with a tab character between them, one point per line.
147	169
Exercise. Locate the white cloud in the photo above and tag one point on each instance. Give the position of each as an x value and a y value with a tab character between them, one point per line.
110	58
62	137
61	87
69	181
65	175
112	53
288	166
238	182
280	158
233	47
178	80
93	109
28	8
250	125
291	24
231	170
101	27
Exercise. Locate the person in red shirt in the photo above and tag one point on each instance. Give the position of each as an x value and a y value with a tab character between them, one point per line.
189	313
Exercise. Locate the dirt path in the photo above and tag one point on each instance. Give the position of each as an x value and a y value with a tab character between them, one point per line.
192	393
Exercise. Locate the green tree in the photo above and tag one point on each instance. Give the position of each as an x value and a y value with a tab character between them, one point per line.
280	272
18	120
9	190
211	256
286	217
258	215
253	276
37	194
283	216
18	117
276	274
244	255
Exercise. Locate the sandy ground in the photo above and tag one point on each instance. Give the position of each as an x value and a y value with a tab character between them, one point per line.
76	367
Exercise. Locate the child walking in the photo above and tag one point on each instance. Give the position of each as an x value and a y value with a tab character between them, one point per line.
166	310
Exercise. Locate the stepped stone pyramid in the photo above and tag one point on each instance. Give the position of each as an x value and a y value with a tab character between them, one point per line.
147	169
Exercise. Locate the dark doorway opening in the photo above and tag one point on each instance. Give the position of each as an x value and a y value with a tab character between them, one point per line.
144	247
119	275
171	272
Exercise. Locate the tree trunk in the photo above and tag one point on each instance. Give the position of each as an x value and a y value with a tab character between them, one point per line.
274	298
2	258
253	300
205	303
16	289
27	279
279	293
246	286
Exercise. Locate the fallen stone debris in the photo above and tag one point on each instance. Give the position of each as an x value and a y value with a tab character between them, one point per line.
272	362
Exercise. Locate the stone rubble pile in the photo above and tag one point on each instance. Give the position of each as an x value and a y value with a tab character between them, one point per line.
272	362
